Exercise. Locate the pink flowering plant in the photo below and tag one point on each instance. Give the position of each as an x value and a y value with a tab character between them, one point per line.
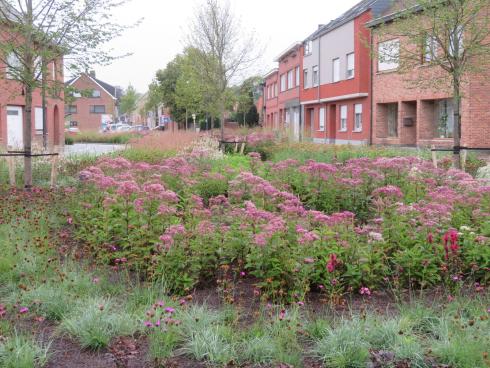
290	227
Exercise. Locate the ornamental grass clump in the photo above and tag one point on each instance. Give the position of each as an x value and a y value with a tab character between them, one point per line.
95	321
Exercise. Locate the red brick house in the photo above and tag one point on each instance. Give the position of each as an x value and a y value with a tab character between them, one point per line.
270	96
336	79
408	116
95	103
12	105
289	80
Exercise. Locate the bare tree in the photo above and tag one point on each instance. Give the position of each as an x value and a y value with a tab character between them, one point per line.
39	33
226	52
452	37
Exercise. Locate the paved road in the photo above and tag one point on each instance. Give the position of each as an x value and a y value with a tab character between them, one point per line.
95	149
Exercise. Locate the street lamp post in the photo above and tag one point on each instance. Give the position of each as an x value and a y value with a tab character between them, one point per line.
194	119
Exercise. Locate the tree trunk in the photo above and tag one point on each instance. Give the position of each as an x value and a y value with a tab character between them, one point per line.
186	117
222	107
28	138
457	125
44	104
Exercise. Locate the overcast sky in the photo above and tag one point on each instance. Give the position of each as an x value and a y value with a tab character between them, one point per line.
277	24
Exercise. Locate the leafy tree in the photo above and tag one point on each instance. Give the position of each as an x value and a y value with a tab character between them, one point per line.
247	112
451	36
224	50
127	104
38	33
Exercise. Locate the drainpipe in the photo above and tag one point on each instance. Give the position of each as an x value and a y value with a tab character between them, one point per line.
371	89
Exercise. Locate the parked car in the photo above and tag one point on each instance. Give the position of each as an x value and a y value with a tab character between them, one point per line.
140	128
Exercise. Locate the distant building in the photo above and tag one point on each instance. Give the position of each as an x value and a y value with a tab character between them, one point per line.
95	104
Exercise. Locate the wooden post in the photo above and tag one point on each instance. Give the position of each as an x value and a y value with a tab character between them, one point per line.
236	145
54	169
242	148
11	168
464	156
434	156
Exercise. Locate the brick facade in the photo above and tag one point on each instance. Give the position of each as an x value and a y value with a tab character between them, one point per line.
346	94
421	106
84	115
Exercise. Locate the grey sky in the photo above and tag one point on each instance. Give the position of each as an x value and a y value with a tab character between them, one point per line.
277	24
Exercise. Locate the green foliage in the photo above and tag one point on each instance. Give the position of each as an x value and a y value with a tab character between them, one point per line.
19	351
107	138
94	322
128	100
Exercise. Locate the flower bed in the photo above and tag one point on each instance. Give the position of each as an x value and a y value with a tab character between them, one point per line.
290	227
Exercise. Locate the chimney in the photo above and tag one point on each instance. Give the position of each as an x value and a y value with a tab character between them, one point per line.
92	73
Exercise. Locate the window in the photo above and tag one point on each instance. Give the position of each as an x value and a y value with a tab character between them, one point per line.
297	76
430	50
336	70
14	64
269	92
97	109
53	70
308	47
456	41
343	118
71	109
95	93
291	79
350	66
76	94
39	120
275	89
388	55
305	79
392	120
322	119
358	118
445	123
315	76
283	82
73	124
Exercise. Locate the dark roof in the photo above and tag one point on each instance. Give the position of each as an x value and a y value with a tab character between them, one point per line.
376	6
115	92
394	14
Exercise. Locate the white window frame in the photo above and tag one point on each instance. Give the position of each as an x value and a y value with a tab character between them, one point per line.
308	47
388	55
315	76
431	49
351	66
290	79
344	112
336	70
297	70
275	90
305	79
12	70
460	33
321	119
38	120
358	118
283	82
96	93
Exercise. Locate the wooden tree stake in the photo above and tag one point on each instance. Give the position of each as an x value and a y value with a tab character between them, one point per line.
434	156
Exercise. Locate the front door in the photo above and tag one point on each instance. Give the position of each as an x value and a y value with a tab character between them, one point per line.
15	137
296	127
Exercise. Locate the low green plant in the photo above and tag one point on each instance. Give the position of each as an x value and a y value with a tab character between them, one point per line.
95	321
164	342
48	300
19	351
211	344
343	346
